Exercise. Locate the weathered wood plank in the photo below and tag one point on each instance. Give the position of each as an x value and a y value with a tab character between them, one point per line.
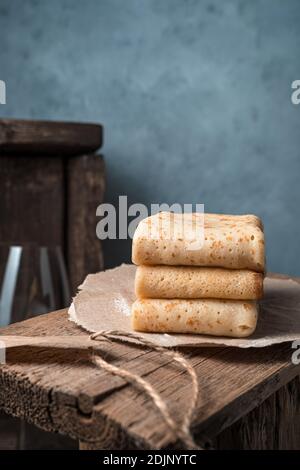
61	390
32	215
85	179
275	424
230	387
9	432
32	200
48	137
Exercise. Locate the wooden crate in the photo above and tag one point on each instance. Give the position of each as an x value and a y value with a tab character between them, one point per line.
51	184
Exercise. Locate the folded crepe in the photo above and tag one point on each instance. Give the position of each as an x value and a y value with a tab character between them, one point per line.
183	282
228	241
234	318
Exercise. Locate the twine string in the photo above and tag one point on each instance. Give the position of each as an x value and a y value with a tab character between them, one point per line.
180	432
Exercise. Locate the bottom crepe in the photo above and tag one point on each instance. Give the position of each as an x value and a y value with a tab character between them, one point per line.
233	318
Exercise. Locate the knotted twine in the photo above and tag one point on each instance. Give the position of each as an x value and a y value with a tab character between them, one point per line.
180	432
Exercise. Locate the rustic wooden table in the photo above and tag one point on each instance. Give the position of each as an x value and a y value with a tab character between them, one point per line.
249	399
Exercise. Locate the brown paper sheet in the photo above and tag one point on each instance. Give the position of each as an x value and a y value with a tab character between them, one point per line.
104	303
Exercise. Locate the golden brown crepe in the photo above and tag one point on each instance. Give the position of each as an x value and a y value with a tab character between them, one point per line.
228	241
184	282
233	318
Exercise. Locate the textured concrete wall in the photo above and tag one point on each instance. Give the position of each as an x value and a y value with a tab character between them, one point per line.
194	96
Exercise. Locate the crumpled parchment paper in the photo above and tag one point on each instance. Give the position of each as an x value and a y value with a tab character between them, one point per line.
104	303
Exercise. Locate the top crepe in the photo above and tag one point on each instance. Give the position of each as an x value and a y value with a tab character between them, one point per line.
228	241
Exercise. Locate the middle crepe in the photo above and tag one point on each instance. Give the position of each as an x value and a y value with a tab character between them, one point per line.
182	282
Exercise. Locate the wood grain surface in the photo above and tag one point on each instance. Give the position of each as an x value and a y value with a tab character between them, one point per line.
31	202
60	390
48	137
275	424
85	182
52	202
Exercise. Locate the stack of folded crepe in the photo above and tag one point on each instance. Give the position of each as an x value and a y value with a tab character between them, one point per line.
206	288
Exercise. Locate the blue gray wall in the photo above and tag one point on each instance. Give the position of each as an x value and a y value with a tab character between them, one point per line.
194	96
